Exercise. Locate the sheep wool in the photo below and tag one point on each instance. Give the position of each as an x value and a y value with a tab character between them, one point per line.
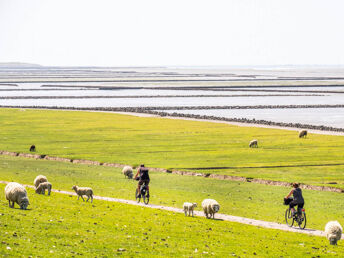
128	172
80	191
210	207
253	143
15	192
333	231
39	179
42	187
302	133
189	208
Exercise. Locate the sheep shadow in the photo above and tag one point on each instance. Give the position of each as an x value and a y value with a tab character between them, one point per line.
17	208
215	219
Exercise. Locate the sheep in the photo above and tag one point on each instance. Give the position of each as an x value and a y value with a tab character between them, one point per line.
253	143
42	186
210	207
189	207
33	148
15	192
303	134
80	191
333	231
39	179
128	172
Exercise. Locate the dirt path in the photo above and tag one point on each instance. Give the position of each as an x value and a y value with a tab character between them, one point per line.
242	220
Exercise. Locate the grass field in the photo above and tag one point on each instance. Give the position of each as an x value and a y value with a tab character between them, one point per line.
236	198
61	226
171	143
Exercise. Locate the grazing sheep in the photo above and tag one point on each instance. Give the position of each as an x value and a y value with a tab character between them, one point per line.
253	143
33	148
39	179
128	172
303	134
42	187
333	231
15	192
189	207
210	207
80	191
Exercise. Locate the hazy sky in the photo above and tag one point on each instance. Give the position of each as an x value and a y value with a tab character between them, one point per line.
172	32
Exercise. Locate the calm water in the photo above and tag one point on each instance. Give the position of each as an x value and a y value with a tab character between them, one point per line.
330	117
177	101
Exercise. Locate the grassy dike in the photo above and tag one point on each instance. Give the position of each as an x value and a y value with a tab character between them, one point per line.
173	143
236	198
61	226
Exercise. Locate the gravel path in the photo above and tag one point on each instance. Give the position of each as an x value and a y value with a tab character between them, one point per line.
219	216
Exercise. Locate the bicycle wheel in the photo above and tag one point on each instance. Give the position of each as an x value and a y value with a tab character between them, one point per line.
289	218
145	199
136	196
302	220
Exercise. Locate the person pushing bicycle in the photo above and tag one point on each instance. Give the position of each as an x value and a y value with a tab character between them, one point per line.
143	175
298	198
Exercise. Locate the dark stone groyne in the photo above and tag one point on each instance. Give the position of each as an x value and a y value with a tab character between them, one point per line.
153	111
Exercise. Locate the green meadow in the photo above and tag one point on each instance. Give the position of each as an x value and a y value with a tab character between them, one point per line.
61	226
236	198
175	144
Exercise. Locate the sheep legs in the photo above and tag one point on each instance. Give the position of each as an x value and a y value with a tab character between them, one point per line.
81	197
9	204
90	196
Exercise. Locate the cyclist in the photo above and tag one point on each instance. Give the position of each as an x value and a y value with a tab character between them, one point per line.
143	174
298	198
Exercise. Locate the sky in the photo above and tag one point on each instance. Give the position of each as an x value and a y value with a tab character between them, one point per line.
172	32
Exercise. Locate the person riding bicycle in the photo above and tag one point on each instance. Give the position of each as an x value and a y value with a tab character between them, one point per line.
143	174
298	198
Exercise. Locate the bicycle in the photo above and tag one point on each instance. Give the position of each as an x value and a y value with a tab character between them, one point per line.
144	194
292	216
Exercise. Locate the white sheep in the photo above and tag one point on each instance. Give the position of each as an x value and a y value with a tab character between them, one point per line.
80	191
253	143
333	231
15	192
302	133
210	207
128	172
189	208
39	179
42	187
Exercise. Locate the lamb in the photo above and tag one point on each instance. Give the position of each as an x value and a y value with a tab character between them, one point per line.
80	191
128	172
15	192
39	179
333	231
210	207
42	187
303	134
189	207
253	143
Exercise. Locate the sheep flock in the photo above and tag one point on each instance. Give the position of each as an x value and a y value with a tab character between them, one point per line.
16	193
